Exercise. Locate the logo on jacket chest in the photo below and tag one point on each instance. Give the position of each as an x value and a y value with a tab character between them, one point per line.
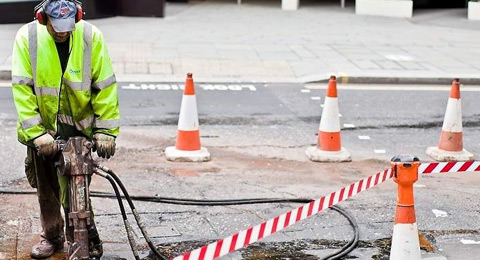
75	71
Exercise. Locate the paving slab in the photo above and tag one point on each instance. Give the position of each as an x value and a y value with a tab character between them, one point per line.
216	39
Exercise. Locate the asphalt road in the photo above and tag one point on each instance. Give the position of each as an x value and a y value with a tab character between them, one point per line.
257	134
393	118
365	106
376	119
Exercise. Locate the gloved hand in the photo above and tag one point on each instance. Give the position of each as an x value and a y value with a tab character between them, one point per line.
105	145
45	145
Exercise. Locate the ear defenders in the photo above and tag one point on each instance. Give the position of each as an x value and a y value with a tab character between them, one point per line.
41	16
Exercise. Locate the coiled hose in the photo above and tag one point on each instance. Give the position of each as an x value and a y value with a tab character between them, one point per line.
115	180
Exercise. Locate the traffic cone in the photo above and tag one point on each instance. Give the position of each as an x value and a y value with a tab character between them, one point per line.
187	147
451	139
405	241
329	148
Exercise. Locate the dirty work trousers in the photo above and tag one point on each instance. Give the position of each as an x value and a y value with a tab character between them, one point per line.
52	193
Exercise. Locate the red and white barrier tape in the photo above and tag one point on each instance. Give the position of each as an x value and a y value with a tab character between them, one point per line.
449	167
253	234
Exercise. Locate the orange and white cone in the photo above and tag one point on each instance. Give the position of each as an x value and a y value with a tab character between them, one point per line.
187	147
451	139
329	148
405	241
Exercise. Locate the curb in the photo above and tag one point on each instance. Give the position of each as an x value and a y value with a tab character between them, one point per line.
5	75
405	80
342	79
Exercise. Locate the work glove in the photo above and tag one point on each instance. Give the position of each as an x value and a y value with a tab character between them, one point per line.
105	145
45	145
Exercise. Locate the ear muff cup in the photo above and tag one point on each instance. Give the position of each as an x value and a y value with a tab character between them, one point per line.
79	15
40	14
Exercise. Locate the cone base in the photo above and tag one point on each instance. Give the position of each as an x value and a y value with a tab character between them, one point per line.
448	156
175	155
317	155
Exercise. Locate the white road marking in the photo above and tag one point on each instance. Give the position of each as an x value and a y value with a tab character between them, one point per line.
305	90
440	213
469	242
415	185
379	151
220	87
391	87
315	98
349	125
5	84
364	137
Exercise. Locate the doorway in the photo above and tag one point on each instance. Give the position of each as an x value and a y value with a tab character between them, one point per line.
428	4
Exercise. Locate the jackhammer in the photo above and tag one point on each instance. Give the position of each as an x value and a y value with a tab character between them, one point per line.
75	161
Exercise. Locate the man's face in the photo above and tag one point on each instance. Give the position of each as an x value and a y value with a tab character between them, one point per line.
57	36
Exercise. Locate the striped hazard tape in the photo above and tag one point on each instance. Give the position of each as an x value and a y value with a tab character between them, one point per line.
253	234
449	167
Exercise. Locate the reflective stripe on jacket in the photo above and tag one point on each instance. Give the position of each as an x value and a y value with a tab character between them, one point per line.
88	79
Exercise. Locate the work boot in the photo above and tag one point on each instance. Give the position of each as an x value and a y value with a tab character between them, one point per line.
95	247
46	248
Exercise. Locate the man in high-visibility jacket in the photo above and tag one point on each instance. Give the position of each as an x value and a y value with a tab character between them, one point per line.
63	85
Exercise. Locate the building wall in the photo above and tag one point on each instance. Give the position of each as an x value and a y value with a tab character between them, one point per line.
21	11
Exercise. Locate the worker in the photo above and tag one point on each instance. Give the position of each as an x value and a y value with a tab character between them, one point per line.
63	86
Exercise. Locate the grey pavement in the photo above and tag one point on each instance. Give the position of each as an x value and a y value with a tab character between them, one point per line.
257	41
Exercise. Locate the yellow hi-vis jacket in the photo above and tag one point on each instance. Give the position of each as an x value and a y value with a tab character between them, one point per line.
88	80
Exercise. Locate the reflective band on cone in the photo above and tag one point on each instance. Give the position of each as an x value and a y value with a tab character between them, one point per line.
329	148
187	146
450	147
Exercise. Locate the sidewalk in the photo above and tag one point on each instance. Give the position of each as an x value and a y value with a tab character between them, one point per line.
257	41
